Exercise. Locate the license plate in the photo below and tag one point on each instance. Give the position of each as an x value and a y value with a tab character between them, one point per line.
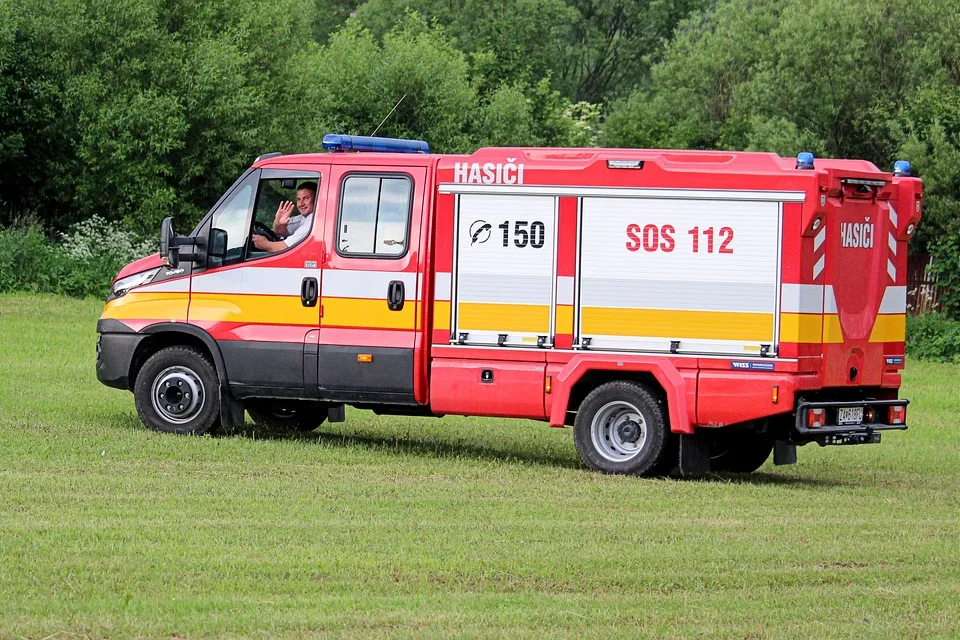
850	415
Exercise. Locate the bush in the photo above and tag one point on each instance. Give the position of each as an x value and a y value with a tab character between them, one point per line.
83	264
933	337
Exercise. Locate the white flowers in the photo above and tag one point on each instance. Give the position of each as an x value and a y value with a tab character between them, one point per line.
96	238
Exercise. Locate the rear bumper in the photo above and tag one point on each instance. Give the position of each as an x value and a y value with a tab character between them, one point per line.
833	433
115	352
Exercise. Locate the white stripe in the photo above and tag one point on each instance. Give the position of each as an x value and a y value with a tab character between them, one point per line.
892	243
818	268
564	289
180	285
623	192
829	300
893	215
677	356
820	238
894	300
662	345
802	298
348	283
441	287
891	270
280	281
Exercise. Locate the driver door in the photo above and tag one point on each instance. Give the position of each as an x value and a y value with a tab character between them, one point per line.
253	302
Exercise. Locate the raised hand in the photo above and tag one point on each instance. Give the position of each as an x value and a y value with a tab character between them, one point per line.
282	217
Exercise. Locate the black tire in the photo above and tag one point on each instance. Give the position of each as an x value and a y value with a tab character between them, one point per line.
289	415
608	442
177	391
738	451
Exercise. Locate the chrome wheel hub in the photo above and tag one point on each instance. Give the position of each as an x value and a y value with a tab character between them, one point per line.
178	394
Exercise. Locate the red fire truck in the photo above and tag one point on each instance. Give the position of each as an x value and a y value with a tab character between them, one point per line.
677	308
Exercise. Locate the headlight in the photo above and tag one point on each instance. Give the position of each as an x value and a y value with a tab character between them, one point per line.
120	287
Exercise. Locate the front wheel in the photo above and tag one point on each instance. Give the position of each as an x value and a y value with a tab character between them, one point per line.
622	428
177	391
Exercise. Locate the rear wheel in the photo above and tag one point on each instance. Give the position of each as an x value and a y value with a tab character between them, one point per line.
738	451
288	415
177	391
622	428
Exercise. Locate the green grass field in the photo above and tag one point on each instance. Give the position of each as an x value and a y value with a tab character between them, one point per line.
445	527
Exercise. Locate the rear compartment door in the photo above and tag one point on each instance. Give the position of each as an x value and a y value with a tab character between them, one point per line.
694	273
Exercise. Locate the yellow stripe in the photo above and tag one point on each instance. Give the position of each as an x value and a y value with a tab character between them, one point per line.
889	328
657	323
226	307
564	319
148	306
441	315
368	314
503	318
832	333
801	327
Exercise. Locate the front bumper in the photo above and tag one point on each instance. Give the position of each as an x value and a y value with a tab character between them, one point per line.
116	347
834	434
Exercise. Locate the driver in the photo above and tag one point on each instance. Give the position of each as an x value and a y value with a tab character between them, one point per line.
292	229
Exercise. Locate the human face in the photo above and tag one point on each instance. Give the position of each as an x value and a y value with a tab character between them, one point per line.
305	201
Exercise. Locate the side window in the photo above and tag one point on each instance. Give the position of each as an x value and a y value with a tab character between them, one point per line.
233	217
374	217
285	212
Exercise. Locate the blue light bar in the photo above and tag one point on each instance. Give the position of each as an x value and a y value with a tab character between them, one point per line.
901	168
337	142
805	160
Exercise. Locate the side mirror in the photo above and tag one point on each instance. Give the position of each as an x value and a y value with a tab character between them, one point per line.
168	249
218	244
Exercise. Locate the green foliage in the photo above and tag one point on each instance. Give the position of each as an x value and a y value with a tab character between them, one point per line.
82	264
588	48
359	81
136	110
933	337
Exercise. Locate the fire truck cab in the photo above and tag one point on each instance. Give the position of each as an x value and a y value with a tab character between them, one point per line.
677	308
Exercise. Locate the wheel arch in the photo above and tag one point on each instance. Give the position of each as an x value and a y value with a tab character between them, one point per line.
169	334
583	373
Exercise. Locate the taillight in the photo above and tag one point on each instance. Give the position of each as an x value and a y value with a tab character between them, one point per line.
897	414
816	418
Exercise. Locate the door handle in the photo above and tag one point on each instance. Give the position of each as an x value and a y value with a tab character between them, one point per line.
395	295
308	292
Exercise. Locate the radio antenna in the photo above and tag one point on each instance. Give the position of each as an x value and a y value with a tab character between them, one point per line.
388	115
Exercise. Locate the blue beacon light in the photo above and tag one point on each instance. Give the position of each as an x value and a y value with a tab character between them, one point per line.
338	142
901	169
805	160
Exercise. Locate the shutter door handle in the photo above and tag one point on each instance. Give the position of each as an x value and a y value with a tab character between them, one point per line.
395	295
308	292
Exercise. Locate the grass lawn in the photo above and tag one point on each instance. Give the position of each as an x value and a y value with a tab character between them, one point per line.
446	527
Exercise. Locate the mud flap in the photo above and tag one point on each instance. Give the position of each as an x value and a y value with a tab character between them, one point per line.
231	409
694	455
784	452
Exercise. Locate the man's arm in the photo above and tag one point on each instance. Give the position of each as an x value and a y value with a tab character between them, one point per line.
260	242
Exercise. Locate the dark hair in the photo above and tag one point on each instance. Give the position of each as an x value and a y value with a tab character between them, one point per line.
312	186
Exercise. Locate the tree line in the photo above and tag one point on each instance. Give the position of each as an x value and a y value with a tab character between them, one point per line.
138	109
